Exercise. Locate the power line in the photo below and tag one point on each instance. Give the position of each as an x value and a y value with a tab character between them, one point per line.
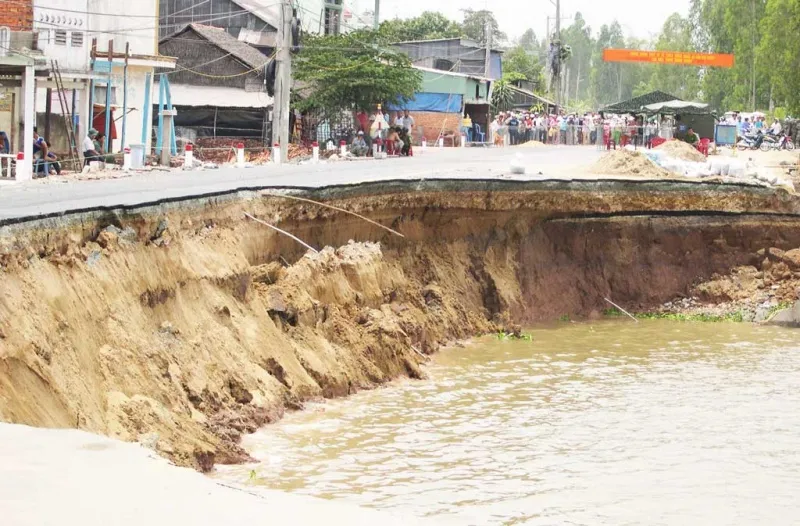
98	13
123	31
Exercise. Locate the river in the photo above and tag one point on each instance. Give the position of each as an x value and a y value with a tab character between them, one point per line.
616	422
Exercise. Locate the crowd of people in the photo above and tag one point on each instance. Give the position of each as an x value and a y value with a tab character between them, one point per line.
390	132
753	124
575	129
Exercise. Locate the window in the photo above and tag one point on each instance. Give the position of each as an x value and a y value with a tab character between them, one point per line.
61	37
443	64
333	17
77	39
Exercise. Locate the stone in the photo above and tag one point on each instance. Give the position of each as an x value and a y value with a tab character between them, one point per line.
160	229
149	440
93	258
792	258
787	317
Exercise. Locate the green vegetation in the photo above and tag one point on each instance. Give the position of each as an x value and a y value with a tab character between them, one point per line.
564	317
522	336
737	316
353	70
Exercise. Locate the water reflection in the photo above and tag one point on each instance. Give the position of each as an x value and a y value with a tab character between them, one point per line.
611	423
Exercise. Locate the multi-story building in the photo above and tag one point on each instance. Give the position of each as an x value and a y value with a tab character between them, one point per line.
256	21
93	44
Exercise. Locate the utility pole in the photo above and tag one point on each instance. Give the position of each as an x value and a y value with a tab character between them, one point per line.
283	81
753	36
487	64
377	21
558	38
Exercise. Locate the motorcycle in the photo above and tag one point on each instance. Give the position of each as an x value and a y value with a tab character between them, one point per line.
750	141
779	142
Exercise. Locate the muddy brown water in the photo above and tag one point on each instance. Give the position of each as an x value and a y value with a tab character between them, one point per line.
605	423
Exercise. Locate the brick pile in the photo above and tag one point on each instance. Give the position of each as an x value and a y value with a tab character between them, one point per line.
17	15
431	123
223	150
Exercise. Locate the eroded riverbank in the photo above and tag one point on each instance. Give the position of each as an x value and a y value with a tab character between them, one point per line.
184	325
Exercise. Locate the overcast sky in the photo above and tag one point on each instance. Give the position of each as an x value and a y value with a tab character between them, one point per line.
640	18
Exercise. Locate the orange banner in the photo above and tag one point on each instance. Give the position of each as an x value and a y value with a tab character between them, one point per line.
719	60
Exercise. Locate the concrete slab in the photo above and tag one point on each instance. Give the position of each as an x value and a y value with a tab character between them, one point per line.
68	477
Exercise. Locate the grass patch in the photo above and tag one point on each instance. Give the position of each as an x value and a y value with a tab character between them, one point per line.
737	316
522	336
565	317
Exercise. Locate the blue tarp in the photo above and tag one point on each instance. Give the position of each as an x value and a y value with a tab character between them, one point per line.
441	102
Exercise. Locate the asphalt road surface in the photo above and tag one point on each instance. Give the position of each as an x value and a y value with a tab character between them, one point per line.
61	195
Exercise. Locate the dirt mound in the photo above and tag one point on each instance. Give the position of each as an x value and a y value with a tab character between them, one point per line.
682	150
532	144
625	162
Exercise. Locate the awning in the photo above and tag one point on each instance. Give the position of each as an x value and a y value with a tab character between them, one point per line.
215	97
673	106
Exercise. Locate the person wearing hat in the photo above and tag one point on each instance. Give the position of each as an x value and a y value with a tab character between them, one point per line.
89	152
359	147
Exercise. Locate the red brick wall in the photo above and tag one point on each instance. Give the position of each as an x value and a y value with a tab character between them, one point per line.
433	122
17	15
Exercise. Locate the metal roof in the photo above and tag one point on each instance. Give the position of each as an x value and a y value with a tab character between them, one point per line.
465	42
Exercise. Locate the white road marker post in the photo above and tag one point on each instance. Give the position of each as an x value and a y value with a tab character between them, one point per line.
188	155
276	153
240	155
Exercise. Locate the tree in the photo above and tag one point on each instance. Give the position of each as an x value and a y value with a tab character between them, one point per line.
528	41
427	26
606	77
780	27
474	26
681	81
502	95
353	71
733	26
518	60
579	37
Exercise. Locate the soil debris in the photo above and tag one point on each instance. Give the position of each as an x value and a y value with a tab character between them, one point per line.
532	144
681	150
626	162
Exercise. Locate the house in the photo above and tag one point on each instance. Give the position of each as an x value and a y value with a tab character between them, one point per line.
218	88
55	38
524	99
455	55
20	64
444	98
256	21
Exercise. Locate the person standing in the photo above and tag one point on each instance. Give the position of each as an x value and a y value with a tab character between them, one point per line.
408	122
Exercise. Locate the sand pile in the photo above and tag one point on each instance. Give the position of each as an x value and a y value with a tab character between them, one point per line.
682	150
532	144
625	162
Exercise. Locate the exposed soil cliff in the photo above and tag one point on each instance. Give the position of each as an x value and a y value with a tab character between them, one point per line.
185	325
